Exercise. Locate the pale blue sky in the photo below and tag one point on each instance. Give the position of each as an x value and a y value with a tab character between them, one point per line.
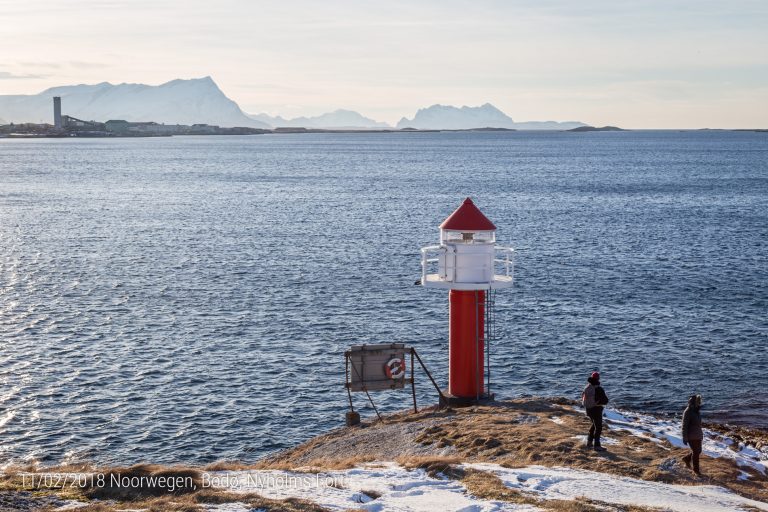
641	64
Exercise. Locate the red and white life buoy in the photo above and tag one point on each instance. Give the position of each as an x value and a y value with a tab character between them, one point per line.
395	368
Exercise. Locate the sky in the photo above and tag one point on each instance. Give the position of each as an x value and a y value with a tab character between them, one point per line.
634	64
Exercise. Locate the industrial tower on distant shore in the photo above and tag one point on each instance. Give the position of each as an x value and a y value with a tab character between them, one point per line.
57	123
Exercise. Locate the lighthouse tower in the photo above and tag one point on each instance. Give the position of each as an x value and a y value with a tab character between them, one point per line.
466	263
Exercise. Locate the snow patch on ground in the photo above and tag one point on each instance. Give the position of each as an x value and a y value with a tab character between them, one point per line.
219	507
415	490
403	490
603	440
565	483
232	507
71	505
386	486
715	445
379	487
400	489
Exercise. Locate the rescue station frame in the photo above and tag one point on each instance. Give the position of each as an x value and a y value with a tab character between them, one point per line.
378	367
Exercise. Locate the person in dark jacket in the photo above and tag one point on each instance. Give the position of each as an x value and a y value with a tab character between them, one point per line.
693	435
594	400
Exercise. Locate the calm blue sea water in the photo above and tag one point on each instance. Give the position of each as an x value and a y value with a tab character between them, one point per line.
189	299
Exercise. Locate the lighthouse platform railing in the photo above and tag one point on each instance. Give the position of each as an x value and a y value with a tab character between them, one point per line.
436	272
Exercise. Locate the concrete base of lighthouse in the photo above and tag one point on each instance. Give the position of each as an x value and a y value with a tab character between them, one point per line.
449	400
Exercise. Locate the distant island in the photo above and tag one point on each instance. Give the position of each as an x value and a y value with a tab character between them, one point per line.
596	129
447	117
338	119
201	102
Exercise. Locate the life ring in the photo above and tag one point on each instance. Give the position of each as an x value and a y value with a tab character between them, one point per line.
395	368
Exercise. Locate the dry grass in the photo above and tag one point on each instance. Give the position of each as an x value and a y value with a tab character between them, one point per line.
516	433
152	492
18	480
162	504
585	505
144	481
227	465
519	433
258	502
577	505
487	486
316	465
195	502
427	462
750	436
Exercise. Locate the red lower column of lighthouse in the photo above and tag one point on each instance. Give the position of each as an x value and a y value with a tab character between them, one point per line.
466	348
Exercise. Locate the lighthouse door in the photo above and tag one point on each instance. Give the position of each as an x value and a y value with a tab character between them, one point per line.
447	263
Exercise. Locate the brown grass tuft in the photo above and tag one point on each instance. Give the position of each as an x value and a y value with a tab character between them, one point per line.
432	465
196	501
227	465
487	486
577	505
315	465
586	505
374	495
143	481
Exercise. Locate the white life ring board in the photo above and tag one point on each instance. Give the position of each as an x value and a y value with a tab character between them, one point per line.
395	368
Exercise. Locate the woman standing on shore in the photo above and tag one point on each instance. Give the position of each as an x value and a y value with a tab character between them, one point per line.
594	399
693	435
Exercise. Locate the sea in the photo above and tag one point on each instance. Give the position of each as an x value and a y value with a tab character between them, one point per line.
190	299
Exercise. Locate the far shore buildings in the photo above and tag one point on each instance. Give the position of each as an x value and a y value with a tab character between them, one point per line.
122	127
65	125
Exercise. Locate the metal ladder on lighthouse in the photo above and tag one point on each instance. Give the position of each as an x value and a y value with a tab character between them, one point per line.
489	335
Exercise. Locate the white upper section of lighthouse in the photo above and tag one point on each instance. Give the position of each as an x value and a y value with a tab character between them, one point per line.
467	257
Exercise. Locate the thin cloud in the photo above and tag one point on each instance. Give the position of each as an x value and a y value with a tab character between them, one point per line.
39	64
81	64
6	75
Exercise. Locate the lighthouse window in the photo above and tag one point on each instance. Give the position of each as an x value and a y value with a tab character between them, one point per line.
467	237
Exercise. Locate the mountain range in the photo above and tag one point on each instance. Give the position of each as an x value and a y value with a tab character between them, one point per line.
176	102
338	119
200	100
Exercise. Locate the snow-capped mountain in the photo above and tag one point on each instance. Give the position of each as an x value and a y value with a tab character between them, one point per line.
338	119
176	102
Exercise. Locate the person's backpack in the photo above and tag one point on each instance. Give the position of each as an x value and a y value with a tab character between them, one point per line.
600	397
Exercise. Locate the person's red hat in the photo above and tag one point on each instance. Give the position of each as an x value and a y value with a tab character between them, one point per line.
595	376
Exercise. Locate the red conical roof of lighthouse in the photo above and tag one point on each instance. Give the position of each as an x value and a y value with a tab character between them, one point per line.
467	217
